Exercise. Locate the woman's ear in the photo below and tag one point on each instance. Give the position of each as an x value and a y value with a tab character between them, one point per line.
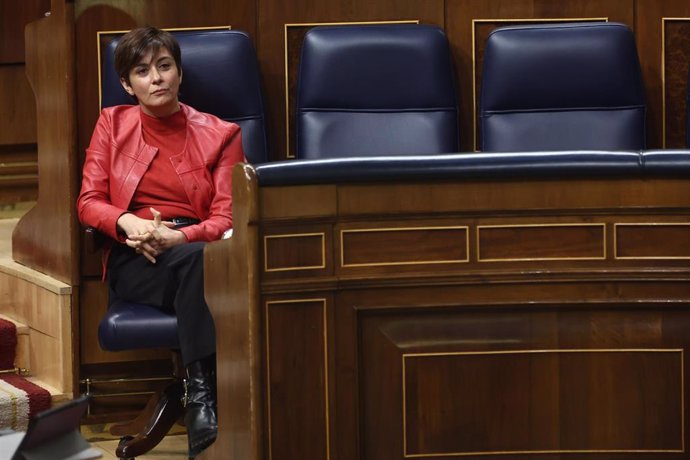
126	86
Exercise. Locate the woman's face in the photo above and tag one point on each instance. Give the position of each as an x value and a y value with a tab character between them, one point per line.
155	81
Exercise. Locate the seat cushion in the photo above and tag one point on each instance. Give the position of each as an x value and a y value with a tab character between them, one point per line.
129	326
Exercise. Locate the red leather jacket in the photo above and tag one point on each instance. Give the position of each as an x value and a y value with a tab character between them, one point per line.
117	158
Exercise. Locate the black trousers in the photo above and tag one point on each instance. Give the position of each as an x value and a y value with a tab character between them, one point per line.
175	282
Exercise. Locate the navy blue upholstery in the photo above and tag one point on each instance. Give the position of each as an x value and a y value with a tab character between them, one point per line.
514	165
127	324
453	166
377	89
562	87
666	162
220	76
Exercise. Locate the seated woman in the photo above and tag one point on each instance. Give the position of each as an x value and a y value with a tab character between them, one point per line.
157	181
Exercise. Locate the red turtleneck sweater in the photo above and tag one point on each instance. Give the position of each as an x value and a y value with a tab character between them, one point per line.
160	187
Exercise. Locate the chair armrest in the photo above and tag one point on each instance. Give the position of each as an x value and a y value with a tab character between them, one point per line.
94	240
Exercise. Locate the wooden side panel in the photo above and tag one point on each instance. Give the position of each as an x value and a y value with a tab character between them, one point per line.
46	237
296	379
232	269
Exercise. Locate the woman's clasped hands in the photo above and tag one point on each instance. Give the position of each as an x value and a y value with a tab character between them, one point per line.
150	238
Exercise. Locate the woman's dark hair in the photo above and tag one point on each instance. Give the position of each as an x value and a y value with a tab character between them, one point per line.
137	42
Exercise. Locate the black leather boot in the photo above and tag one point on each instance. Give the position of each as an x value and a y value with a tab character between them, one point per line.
200	407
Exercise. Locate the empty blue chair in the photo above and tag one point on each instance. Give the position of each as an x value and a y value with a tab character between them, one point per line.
562	87
221	76
376	90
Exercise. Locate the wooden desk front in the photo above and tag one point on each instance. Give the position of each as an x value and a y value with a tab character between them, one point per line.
486	319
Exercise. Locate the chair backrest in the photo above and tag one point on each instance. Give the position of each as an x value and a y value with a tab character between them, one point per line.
221	77
562	87
376	90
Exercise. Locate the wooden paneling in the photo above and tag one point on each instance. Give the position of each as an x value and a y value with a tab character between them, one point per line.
18	173
513	358
14	16
443	392
461	382
239	352
297	251
541	242
652	241
413	245
661	31
18	120
296	375
18	178
676	61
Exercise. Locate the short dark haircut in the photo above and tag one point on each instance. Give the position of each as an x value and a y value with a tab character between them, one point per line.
137	42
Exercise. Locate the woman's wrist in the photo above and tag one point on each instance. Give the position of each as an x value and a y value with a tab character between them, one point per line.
121	222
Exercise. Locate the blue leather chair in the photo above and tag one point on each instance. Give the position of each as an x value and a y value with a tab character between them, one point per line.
376	90
221	76
562	87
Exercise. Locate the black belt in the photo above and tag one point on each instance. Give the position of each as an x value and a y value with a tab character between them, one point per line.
180	222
